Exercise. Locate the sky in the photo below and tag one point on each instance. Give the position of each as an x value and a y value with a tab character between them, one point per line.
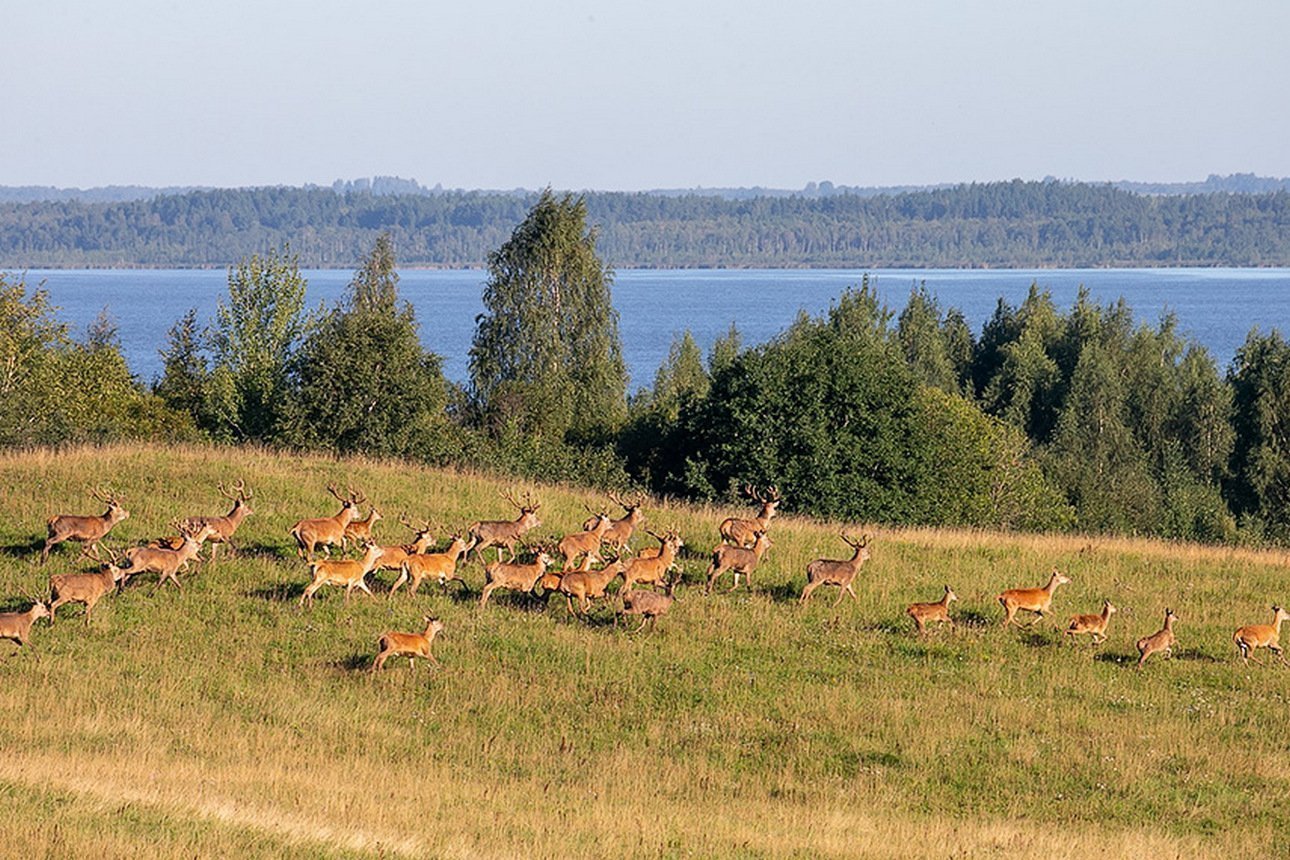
638	95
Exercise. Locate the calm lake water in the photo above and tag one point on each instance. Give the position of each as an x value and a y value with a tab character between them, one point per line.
1215	307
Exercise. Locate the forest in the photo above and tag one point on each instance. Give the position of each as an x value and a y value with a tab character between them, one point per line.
1000	224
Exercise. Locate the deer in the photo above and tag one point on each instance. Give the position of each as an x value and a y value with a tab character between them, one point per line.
327	531
413	645
16	626
825	571
650	605
1161	640
505	533
360	531
588	585
1092	625
87	531
86	588
737	559
741	532
418	567
1036	600
932	613
346	572
168	562
392	557
1252	637
513	575
653	568
585	542
619	535
226	526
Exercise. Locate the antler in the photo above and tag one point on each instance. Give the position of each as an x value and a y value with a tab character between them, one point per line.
331	488
105	496
529	504
509	495
774	494
239	494
355	496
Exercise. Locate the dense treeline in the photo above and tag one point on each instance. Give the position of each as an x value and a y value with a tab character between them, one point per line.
1085	419
1020	224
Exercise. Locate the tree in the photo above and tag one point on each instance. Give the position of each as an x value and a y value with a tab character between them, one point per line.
185	376
546	354
1260	380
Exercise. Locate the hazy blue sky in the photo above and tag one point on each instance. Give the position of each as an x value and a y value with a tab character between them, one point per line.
634	95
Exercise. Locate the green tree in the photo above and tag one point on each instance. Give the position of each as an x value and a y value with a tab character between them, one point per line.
1260	380
185	377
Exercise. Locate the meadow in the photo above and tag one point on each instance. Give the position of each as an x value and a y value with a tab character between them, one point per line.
221	720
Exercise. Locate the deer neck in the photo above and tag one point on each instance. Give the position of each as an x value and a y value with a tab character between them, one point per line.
345	516
1052	585
238	514
1276	624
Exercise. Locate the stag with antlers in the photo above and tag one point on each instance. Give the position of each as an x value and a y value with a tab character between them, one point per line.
327	531
505	533
223	528
619	535
741	532
87	531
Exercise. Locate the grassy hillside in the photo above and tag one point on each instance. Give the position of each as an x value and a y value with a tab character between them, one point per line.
224	721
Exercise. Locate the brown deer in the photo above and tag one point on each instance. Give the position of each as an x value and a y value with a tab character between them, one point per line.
505	533
346	572
1036	600
929	613
360	531
512	575
737	559
87	531
585	543
226	526
650	605
168	562
413	645
741	532
619	535
86	588
392	557
1252	637
826	571
1092	625
435	565
327	531
16	626
651	569
1161	641
588	585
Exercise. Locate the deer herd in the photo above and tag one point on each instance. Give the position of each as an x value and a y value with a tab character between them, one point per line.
592	558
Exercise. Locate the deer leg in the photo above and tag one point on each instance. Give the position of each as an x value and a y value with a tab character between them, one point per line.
644	618
806	592
483	598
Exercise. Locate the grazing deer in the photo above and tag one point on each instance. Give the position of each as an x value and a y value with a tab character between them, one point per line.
226	526
1161	640
392	557
1092	625
86	588
737	559
653	568
741	532
584	543
360	531
435	565
168	562
327	531
932	613
87	531
346	572
650	605
825	571
413	645
588	585
505	533
619	535
17	625
1255	636
1036	600
512	575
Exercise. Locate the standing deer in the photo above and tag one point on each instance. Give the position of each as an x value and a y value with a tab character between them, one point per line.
650	605
226	526
653	568
86	588
168	562
87	531
346	572
588	585
435	565
512	575
825	571
1036	600
505	533
16	626
738	559
929	613
1161	640
741	532
327	531
619	535
1092	625
584	543
413	645
1252	637
360	531
392	557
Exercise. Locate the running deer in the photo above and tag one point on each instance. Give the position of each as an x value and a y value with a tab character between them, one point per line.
360	531
346	572
1255	636
825	571
588	585
741	532
652	569
619	535
327	531
85	588
505	533
584	543
650	605
1036	600
87	531
392	557
513	575
16	626
223	528
168	562
932	613
1092	625
1161	640
737	559
442	566
411	645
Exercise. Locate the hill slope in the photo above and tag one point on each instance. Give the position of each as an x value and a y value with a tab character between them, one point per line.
222	720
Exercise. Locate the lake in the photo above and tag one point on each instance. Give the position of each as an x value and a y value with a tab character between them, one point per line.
1215	307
